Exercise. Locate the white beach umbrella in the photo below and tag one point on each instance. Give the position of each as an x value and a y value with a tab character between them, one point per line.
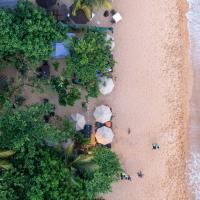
104	135
102	114
109	37
80	121
106	85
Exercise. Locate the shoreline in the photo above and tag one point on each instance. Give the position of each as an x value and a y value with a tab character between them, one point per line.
167	107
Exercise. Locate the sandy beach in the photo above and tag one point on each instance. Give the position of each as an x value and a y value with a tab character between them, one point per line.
151	97
153	83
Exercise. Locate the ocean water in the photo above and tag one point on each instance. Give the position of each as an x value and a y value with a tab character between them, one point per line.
193	164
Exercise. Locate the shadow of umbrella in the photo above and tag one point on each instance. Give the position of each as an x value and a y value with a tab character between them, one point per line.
47	4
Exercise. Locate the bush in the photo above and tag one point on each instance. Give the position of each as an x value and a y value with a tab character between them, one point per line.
73	95
26	35
24	124
39	173
56	65
88	55
19	100
67	94
109	169
9	87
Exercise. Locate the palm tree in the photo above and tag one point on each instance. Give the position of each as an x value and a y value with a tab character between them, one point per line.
77	163
99	3
4	156
88	5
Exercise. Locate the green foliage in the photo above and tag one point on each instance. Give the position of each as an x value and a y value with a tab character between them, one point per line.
88	6
99	3
8	38
19	100
73	95
109	168
88	55
4	156
56	65
68	94
9	87
47	164
40	173
24	124
81	5
69	127
26	34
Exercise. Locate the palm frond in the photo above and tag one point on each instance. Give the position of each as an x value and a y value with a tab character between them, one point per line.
87	10
83	159
77	6
4	164
107	4
6	153
69	149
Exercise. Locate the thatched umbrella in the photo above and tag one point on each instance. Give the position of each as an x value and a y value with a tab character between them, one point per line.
104	135
47	4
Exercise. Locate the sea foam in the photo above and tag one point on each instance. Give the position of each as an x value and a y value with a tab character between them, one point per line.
193	164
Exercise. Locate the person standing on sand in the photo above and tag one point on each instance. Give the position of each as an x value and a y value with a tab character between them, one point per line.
140	174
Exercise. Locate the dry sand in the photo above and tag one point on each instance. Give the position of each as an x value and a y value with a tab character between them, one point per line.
152	99
151	96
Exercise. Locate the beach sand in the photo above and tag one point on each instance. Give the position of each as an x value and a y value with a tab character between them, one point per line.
151	97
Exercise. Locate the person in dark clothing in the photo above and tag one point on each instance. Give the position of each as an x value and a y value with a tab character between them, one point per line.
155	146
140	174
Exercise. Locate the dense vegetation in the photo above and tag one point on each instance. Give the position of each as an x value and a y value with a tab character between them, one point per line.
46	163
26	35
41	160
89	55
67	93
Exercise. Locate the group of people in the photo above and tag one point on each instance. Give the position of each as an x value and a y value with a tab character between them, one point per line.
140	174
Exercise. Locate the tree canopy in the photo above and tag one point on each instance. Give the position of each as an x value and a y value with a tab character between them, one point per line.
46	163
27	34
89	55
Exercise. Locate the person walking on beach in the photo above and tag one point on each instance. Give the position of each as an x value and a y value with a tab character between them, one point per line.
155	146
140	174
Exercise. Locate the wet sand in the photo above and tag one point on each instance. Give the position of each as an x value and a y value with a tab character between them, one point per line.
151	97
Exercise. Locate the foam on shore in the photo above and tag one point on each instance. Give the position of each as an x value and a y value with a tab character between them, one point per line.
193	16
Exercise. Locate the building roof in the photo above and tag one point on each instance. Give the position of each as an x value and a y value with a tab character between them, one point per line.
8	3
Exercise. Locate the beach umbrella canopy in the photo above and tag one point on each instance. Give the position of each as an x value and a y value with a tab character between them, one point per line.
106	85
102	114
104	135
80	121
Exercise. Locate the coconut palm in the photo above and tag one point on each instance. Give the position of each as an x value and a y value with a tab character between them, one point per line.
99	3
4	156
77	163
88	5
